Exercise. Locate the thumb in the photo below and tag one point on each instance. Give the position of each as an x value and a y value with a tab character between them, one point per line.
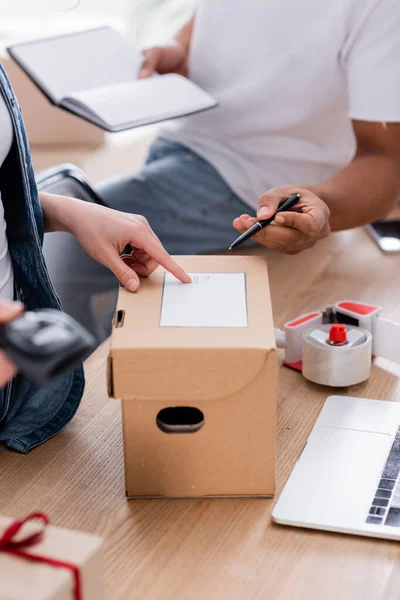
9	310
268	204
125	275
150	63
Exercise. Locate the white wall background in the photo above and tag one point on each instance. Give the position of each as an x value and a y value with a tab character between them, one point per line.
105	7
149	21
146	22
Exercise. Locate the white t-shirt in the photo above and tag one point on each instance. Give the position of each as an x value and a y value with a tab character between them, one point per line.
289	75
6	270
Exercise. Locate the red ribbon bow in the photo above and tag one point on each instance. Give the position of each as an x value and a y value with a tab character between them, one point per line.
10	543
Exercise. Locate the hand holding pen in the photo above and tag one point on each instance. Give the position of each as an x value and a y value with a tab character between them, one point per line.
300	219
285	205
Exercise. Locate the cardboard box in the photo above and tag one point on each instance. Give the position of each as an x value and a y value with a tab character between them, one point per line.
195	367
21	578
48	125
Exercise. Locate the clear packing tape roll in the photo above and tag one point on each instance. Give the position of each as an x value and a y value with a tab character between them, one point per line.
337	365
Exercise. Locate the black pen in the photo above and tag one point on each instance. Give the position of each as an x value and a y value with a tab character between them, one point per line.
284	205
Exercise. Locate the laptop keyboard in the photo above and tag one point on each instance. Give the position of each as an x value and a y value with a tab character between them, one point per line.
385	508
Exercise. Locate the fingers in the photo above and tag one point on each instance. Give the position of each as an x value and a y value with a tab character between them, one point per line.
312	220
244	222
291	231
7	369
140	262
149	65
158	253
147	255
277	237
122	271
138	259
145	266
284	239
147	225
310	224
268	203
9	310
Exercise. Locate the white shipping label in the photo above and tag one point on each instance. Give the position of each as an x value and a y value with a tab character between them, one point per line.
211	300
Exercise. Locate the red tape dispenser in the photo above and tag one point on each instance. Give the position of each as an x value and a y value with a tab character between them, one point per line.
385	333
314	345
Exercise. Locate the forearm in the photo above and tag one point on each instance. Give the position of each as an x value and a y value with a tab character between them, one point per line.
59	212
362	192
184	36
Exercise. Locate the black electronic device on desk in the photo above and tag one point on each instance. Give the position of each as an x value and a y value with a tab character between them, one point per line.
386	234
45	344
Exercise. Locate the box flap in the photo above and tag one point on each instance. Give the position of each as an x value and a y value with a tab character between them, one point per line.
200	343
184	374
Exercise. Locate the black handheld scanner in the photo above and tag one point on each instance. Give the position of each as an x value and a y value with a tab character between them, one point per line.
45	344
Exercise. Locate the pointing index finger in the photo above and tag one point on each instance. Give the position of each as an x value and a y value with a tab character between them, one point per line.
157	252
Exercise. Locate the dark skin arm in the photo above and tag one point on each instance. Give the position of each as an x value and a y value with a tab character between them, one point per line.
372	180
364	191
169	59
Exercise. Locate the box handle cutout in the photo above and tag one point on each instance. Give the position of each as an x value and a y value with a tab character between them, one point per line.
119	318
180	419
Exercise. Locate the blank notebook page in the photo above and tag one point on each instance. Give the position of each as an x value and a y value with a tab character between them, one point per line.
158	97
82	61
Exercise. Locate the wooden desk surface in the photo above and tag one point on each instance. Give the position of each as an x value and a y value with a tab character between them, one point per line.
228	548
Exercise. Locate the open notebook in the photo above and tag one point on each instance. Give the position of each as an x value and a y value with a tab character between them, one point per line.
93	74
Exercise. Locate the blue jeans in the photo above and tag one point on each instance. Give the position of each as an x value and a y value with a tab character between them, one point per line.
187	203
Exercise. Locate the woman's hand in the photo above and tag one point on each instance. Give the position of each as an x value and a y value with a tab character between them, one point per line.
292	231
8	312
104	233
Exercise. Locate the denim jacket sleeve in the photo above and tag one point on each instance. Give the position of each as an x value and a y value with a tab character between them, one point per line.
29	415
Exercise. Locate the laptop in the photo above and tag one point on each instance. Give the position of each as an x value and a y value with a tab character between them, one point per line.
347	478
